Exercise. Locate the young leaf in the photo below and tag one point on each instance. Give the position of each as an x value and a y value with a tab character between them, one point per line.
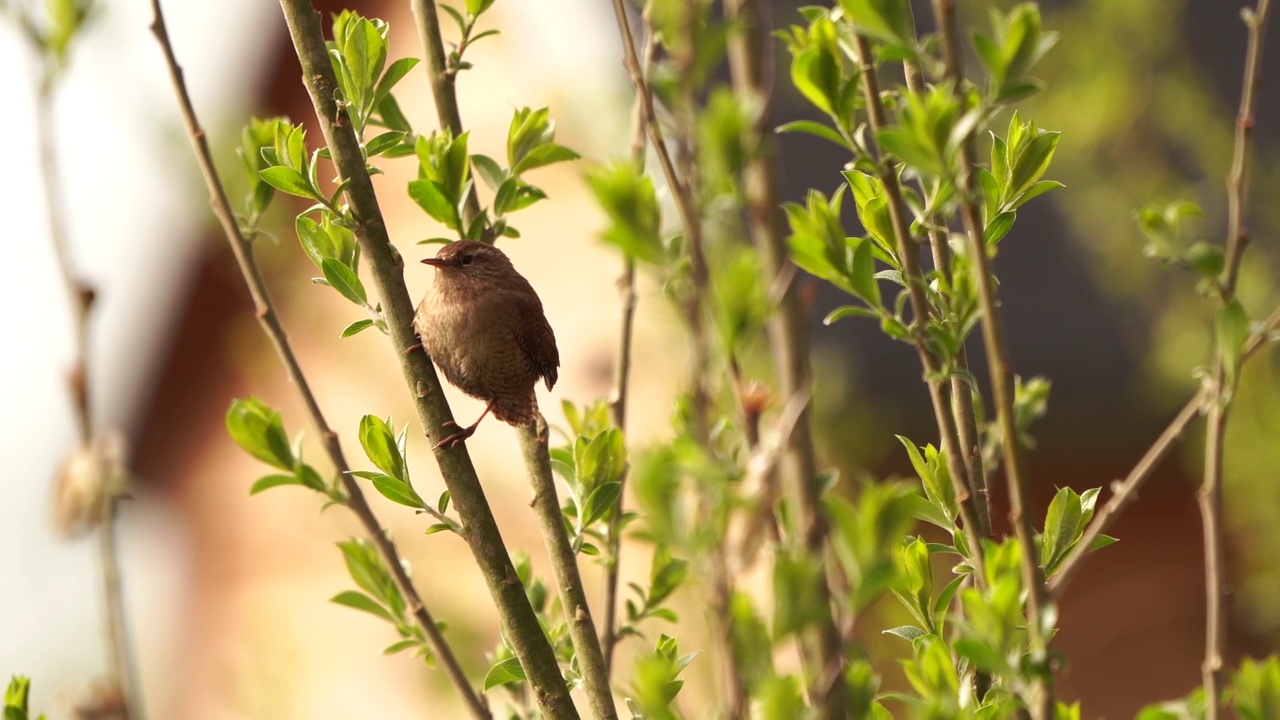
344	280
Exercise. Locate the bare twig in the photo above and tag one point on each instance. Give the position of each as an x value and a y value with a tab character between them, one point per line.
266	314
564	565
912	276
442	89
621	385
1210	494
479	528
1001	372
80	295
787	335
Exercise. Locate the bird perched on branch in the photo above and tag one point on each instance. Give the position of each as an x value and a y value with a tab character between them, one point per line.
483	326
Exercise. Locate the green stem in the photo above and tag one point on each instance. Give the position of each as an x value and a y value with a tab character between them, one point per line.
564	565
478	526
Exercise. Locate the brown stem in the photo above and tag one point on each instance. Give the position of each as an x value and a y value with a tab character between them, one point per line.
1210	494
266	314
121	674
1001	373
914	279
621	386
443	88
564	565
479	528
787	336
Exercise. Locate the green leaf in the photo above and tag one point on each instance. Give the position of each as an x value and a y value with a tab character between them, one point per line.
906	632
344	280
1232	332
1061	527
398	491
489	171
863	272
600	501
381	143
984	657
269	481
813	128
356	327
259	430
379	444
1033	162
542	156
289	181
849	311
507	672
432	197
998	227
360	601
1205	258
393	75
886	20
400	646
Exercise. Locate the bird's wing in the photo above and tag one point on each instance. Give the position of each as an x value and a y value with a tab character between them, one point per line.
538	341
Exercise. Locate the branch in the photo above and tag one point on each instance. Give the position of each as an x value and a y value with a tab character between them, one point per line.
914	280
121	674
1210	495
265	311
479	528
787	333
621	385
442	89
1001	372
962	411
564	565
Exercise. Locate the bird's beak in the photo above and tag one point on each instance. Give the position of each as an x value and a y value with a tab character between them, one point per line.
435	261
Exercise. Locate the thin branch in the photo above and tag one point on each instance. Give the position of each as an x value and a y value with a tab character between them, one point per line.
787	334
682	193
266	314
621	386
914	279
1210	494
479	529
961	392
1001	372
1125	491
121	674
564	565
443	88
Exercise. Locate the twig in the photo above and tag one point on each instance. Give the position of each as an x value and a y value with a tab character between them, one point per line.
961	392
621	387
442	89
1210	494
1125	491
787	335
1001	372
564	565
121	674
266	314
479	529
912	276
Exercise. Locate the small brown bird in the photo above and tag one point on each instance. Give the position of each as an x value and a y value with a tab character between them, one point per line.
483	326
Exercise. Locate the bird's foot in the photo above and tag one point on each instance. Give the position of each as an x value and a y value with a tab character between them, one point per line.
457	437
411	348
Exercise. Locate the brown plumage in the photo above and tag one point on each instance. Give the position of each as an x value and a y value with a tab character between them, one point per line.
483	326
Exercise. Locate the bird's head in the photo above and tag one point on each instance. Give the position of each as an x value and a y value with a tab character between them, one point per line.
471	262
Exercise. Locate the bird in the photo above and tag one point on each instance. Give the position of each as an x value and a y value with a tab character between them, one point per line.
483	326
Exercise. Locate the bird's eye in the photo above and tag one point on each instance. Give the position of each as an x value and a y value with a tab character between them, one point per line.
467	259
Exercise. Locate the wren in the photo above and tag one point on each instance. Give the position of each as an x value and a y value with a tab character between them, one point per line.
483	326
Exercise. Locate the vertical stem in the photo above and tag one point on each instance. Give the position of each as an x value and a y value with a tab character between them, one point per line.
564	565
265	311
443	88
1001	372
1210	494
120	671
621	385
914	280
480	530
787	336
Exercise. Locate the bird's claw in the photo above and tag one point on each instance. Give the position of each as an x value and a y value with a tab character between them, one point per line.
456	438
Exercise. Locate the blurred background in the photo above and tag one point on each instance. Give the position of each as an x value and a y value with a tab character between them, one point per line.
227	595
